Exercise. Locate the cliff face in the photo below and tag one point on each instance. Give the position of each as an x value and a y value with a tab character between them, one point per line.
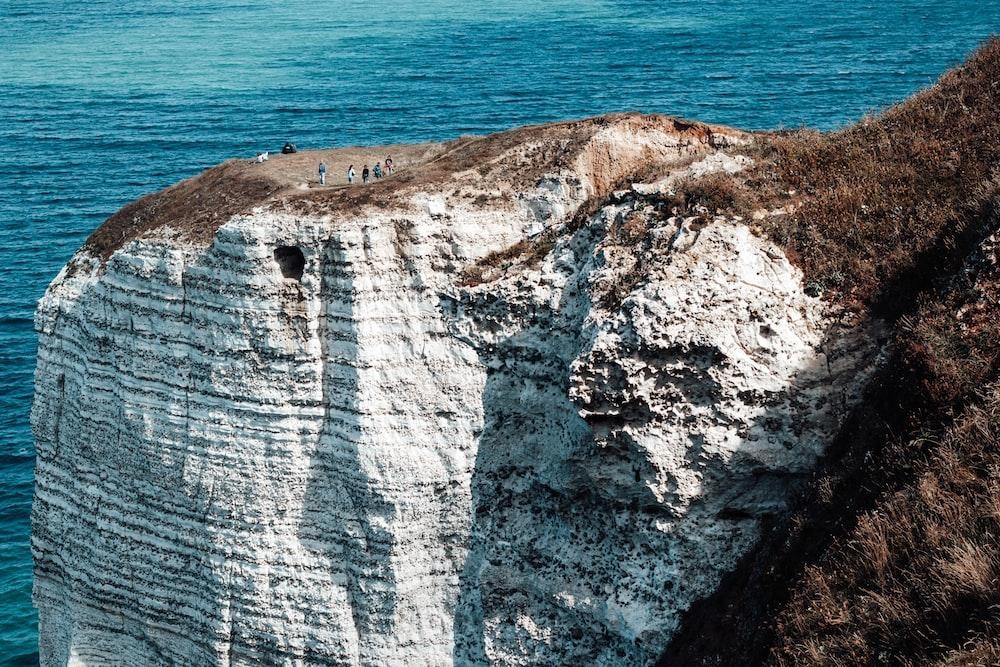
456	417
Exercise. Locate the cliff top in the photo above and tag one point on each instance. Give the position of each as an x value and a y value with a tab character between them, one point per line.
497	165
854	208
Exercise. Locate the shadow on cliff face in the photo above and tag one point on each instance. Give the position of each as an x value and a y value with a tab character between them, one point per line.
569	561
345	520
521	484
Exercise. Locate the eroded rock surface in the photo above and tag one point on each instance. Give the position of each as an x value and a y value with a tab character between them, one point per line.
315	442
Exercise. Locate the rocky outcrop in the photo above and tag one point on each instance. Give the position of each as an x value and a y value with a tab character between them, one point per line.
305	435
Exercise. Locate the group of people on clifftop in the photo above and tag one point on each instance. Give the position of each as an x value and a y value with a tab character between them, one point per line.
378	171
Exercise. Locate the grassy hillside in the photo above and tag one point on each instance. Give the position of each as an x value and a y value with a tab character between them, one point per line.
893	553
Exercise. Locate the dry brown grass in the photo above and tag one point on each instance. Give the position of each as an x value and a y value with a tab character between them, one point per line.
195	207
712	194
875	197
870	201
525	253
977	652
892	555
920	573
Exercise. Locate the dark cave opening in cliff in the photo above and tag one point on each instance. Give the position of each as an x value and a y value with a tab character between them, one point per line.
290	260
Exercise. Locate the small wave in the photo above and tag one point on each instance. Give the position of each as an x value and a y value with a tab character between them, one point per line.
27	659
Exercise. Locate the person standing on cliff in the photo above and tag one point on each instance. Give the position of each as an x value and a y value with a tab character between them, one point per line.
322	172
388	165
377	171
364	174
350	174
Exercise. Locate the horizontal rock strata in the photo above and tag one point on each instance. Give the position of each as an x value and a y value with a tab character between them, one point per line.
313	439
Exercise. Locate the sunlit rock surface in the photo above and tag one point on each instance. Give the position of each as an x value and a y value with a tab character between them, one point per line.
317	440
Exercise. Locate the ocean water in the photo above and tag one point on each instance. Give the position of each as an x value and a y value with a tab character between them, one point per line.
103	101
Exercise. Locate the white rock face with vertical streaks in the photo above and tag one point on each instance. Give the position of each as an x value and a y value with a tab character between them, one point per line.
311	442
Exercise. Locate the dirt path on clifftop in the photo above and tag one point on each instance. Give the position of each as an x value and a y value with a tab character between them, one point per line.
198	206
504	165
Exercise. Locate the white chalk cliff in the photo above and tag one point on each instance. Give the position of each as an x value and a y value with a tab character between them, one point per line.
343	432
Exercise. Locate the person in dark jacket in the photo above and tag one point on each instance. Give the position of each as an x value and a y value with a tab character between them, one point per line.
364	174
377	170
322	173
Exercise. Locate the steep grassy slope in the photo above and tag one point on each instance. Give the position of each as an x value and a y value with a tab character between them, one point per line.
893	556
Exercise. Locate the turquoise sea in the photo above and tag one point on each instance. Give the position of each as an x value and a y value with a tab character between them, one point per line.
103	101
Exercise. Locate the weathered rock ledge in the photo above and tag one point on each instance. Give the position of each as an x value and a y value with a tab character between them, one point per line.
281	425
